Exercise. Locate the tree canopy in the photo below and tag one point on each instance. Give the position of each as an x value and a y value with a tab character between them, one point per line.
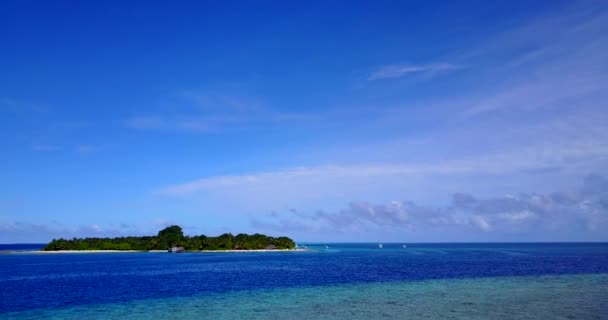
170	236
173	236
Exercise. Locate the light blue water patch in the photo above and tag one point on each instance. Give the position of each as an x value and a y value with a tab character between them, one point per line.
531	297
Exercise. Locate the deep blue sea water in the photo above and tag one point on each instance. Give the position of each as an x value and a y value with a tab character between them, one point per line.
343	281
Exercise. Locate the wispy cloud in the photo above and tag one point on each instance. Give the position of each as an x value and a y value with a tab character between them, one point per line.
22	231
554	62
146	122
86	148
28	232
46	147
15	230
532	119
18	106
398	71
209	112
80	148
314	179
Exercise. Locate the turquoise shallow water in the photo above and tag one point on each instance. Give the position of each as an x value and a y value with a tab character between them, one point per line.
528	297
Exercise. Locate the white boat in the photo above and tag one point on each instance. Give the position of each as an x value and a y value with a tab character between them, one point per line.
404	246
326	247
380	245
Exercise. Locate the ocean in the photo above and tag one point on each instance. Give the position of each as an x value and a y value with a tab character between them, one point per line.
330	281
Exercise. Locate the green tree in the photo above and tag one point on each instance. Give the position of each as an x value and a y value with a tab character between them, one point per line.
171	236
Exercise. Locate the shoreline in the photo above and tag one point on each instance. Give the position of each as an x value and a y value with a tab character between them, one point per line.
150	251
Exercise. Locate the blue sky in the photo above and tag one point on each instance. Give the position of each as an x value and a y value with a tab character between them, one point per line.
343	121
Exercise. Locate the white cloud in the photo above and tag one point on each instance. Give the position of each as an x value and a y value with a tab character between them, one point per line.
317	179
397	71
583	212
481	223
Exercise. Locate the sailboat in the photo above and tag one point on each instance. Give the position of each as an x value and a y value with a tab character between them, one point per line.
380	245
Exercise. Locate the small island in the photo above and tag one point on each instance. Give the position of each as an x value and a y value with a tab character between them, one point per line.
172	239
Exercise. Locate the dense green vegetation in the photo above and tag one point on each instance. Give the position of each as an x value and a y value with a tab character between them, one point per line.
173	237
